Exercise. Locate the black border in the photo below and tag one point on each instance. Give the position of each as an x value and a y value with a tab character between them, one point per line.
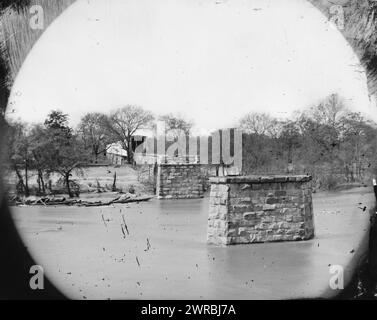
15	260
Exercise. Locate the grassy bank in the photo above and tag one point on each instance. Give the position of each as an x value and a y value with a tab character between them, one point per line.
90	179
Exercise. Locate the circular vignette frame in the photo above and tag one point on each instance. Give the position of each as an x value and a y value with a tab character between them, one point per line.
358	27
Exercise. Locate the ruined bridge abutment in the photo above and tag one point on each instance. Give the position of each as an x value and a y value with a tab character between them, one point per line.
179	181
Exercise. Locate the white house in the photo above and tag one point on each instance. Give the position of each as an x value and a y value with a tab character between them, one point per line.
118	156
115	152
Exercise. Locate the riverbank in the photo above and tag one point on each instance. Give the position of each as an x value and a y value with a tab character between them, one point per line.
99	200
93	179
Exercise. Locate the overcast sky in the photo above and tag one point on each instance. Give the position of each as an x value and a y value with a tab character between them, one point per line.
211	61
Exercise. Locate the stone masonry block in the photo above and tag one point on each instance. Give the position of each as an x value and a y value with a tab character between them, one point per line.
260	209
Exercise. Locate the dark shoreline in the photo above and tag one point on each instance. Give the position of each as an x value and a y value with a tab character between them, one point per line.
363	285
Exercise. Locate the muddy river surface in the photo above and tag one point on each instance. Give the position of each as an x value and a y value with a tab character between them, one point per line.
162	254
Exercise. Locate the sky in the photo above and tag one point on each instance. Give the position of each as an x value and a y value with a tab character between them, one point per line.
209	61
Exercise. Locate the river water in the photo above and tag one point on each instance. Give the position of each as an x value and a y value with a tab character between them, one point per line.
162	254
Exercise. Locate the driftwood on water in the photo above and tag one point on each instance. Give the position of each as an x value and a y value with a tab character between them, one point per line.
54	201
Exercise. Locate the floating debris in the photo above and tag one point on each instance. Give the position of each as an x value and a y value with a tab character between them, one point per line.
148	246
124	234
104	221
125	225
53	201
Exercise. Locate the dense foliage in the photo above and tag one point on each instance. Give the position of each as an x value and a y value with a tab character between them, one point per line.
328	141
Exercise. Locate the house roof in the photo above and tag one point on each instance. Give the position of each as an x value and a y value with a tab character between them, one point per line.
116	148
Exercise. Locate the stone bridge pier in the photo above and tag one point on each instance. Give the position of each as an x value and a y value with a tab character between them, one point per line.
179	181
250	209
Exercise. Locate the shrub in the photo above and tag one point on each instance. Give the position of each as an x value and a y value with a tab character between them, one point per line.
131	189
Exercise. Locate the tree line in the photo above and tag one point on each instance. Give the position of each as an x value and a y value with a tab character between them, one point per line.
55	147
327	141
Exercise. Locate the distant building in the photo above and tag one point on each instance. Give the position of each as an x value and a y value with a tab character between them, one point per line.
118	156
115	152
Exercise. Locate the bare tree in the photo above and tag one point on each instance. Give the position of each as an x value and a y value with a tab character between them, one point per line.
329	112
176	124
92	129
124	122
258	123
39	148
18	151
